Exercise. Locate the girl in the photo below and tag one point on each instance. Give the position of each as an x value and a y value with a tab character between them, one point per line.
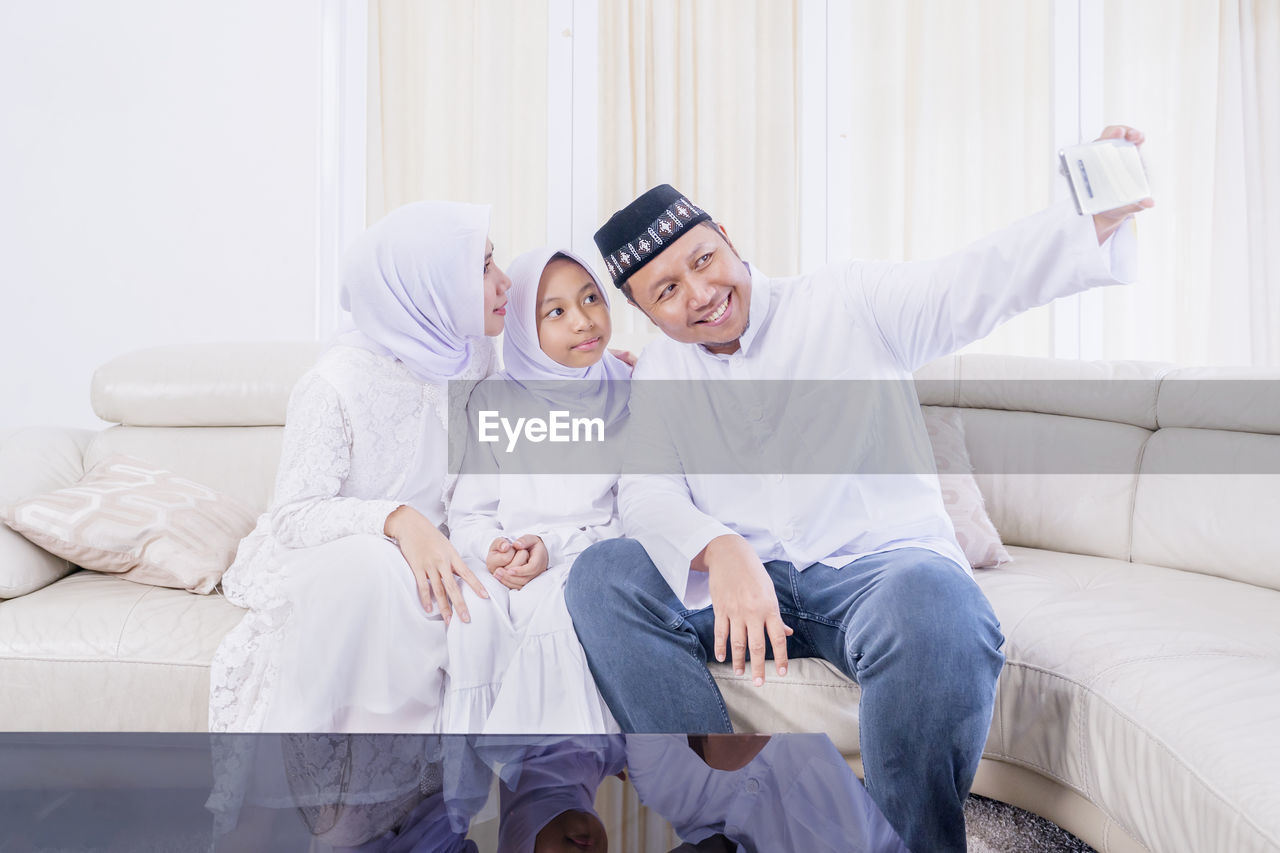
348	580
522	669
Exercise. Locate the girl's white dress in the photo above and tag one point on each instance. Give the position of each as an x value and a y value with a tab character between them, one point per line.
335	638
518	665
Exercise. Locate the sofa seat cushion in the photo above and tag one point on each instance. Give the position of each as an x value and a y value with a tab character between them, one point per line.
1155	693
97	653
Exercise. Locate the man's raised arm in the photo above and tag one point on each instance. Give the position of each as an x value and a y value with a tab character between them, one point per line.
927	309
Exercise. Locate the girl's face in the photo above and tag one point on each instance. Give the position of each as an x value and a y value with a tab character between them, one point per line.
573	319
496	285
572	832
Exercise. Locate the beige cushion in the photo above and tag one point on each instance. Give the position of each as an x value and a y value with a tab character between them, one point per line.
244	384
238	461
1060	483
130	517
1209	501
960	494
1119	391
34	461
97	653
1150	691
814	696
1243	399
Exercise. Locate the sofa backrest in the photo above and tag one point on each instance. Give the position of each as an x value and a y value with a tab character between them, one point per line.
211	412
1209	499
1129	460
1175	467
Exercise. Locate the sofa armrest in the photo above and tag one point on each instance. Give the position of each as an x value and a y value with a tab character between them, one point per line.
32	461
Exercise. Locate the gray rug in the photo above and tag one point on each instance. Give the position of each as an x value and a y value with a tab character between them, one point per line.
996	827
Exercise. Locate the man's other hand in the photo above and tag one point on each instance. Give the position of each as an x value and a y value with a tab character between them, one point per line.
745	606
1108	221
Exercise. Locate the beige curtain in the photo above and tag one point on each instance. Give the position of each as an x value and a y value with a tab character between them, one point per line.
703	94
1203	80
950	105
457	110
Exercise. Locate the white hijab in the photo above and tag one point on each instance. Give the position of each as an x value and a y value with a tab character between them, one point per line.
414	284
601	390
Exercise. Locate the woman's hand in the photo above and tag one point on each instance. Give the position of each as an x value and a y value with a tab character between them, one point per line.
530	560
434	562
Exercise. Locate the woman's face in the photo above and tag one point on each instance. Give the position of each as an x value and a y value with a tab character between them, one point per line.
572	317
572	832
496	285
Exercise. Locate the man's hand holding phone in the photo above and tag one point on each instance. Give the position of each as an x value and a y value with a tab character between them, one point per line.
1106	222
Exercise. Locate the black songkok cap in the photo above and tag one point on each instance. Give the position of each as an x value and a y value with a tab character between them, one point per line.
640	231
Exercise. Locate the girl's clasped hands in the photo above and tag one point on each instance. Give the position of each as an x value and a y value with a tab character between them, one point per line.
515	562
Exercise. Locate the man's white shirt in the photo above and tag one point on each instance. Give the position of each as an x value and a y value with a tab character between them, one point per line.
856	320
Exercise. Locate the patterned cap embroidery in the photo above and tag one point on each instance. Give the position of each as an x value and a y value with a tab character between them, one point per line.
669	223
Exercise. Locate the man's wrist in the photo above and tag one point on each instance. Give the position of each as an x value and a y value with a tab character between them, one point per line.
723	552
1105	228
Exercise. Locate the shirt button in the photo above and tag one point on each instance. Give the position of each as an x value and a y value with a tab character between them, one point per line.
788	533
755	413
777	478
752	786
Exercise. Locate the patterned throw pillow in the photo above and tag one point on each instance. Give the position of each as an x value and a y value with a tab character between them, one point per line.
960	494
128	517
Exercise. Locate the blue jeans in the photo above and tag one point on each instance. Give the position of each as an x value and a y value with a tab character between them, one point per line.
911	627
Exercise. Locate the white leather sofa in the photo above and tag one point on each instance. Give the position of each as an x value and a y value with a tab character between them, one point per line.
1140	703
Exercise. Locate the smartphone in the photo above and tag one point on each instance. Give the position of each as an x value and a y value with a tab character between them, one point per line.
1104	175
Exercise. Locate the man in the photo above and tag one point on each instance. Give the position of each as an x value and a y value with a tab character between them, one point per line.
862	570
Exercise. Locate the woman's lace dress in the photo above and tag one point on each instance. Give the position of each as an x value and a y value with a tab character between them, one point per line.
335	638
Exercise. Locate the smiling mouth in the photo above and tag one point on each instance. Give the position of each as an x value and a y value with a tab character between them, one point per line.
501	309
587	345
717	316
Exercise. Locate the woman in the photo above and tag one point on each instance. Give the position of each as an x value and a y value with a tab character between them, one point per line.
348	579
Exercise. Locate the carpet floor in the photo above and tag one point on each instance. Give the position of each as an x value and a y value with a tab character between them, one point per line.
996	827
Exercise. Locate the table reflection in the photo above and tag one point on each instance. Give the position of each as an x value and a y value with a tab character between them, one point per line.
415	793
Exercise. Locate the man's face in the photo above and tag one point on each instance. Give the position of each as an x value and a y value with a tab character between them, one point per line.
697	291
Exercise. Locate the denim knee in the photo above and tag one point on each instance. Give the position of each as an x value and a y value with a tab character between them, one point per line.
939	617
596	576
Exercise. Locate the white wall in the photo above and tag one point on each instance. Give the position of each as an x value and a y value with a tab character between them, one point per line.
158	184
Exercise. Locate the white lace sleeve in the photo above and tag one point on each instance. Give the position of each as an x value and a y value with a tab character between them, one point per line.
314	463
